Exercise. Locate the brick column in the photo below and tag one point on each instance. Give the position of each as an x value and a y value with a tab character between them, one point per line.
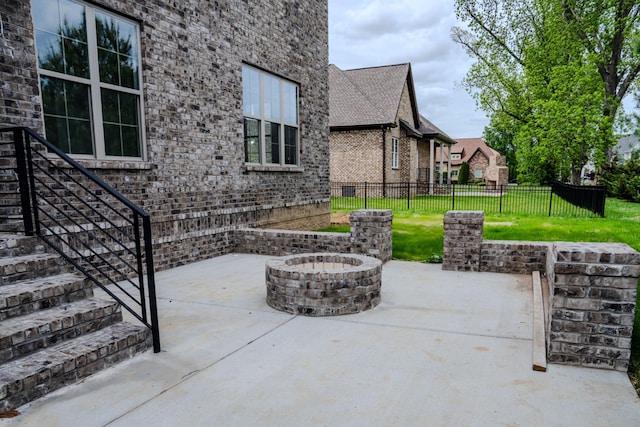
462	240
371	233
594	297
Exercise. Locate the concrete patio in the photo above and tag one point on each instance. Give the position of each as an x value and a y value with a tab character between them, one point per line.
442	349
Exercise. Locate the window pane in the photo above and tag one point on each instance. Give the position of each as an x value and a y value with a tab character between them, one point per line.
76	58
272	142
271	97
130	145
72	20
290	145
80	141
67	116
250	91
129	72
251	140
121	125
110	106
46	17
49	51
56	132
108	64
290	103
117	51
128	108
78	103
112	140
53	97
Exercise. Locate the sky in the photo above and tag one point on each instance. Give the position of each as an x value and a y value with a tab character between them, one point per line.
366	33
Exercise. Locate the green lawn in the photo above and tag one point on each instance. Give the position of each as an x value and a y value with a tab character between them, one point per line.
418	236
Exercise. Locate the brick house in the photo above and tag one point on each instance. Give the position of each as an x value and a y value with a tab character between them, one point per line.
376	131
485	163
211	116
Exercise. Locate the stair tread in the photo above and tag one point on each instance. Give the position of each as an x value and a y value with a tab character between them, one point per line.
58	354
45	317
38	284
27	258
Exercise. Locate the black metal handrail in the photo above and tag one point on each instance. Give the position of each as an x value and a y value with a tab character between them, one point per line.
94	227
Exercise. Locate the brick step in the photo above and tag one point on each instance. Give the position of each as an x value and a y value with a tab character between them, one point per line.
21	336
32	266
13	245
28	378
11	225
22	298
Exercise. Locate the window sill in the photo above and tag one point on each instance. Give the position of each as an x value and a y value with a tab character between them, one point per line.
107	164
265	168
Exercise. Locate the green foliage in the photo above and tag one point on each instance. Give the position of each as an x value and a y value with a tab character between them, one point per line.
551	74
463	174
623	180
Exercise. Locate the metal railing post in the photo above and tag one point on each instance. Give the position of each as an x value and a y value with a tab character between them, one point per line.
23	181
151	283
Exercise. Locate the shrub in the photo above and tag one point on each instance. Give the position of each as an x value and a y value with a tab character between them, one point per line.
463	175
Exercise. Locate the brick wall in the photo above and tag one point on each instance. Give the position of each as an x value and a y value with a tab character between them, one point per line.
356	155
592	287
370	235
194	181
593	303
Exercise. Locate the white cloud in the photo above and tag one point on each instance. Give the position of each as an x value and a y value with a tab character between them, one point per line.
365	33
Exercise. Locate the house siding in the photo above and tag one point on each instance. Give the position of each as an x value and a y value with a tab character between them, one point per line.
194	182
356	156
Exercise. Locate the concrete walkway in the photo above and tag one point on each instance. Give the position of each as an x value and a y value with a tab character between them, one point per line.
442	349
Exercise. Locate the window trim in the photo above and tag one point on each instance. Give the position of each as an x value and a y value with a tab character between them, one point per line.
262	119
395	149
95	87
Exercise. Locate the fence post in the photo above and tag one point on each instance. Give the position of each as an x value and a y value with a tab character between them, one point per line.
551	198
408	194
501	188
453	198
365	194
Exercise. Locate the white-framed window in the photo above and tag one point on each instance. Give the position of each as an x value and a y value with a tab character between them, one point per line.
477	174
454	173
394	153
270	116
90	80
455	156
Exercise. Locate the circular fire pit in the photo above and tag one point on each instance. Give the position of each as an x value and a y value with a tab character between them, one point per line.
323	284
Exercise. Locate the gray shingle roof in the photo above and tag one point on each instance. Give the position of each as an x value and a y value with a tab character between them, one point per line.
365	96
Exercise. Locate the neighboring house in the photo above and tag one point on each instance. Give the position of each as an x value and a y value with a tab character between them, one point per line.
485	163
210	115
377	134
625	147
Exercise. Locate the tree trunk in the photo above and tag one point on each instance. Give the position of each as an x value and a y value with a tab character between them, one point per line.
576	175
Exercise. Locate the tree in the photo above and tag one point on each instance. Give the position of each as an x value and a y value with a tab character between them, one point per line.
463	174
500	138
553	74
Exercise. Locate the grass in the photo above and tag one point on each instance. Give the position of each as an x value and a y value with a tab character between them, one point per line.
418	236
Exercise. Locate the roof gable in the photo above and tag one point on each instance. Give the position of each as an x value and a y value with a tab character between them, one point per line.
368	96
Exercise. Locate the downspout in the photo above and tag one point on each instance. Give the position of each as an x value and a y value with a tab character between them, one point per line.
384	161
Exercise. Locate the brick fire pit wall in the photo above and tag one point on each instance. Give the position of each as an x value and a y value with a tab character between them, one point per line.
323	284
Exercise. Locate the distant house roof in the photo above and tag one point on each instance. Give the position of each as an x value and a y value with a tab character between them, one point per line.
370	97
467	148
367	97
626	145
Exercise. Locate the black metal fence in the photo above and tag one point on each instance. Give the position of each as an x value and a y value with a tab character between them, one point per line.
590	197
512	199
